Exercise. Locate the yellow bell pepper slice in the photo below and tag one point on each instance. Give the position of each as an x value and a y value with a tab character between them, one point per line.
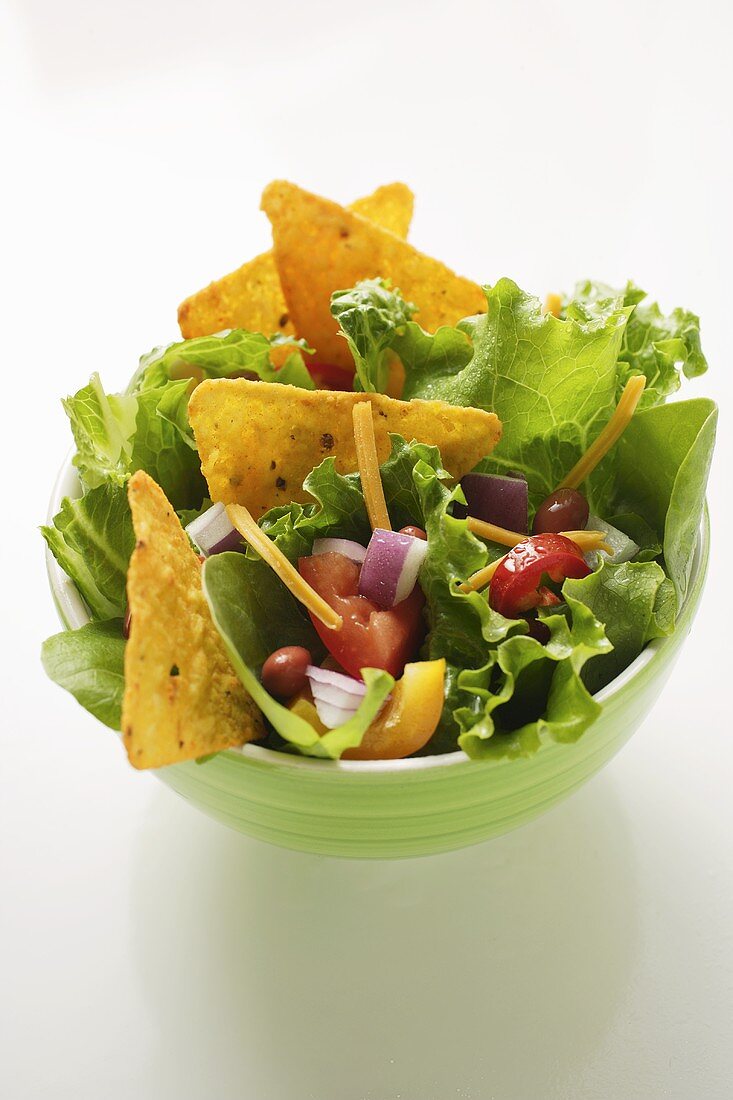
409	719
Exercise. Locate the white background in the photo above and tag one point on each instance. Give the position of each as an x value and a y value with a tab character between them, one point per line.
148	952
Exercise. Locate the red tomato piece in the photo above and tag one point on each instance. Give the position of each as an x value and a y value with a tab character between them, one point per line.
370	637
327	377
519	583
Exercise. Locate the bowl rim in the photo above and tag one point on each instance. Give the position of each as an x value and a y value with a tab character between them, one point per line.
73	613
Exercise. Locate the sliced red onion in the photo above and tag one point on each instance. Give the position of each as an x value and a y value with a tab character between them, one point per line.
390	569
354	551
495	499
321	679
213	533
335	695
622	547
332	716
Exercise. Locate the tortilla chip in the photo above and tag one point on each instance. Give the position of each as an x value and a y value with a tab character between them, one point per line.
389	207
259	440
251	297
182	698
320	247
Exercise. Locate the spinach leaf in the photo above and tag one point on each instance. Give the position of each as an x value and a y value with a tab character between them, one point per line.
89	663
227	586
663	459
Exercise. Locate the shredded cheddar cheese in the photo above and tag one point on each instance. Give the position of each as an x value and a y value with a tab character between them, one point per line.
493	533
553	304
288	574
588	540
366	457
481	578
612	432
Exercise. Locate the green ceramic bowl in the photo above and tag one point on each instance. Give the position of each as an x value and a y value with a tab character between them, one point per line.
394	809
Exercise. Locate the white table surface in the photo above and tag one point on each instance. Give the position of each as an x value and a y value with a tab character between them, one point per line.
149	953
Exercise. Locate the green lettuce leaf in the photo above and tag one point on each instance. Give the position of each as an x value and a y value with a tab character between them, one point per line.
655	345
552	382
224	355
117	434
640	532
528	694
338	510
431	361
663	459
636	601
370	316
89	663
103	426
92	540
243	624
266	615
163	446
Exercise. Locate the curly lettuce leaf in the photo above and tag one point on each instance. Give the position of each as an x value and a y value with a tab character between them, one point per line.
635	601
552	382
370	316
429	360
339	510
163	446
103	426
659	347
529	694
224	355
117	434
242	620
92	540
89	663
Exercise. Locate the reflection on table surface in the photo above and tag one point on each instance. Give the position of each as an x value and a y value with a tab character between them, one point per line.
488	972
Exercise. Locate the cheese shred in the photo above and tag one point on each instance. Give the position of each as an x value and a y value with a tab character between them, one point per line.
366	457
493	533
482	578
553	304
288	574
612	432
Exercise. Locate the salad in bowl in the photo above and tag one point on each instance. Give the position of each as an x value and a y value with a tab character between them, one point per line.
368	510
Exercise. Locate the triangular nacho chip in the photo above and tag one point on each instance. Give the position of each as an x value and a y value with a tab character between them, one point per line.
182	698
251	297
259	440
320	247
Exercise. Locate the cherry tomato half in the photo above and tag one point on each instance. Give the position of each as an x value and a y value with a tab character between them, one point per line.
519	583
370	637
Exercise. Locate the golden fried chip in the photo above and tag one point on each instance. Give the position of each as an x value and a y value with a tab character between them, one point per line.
259	440
389	207
182	698
320	247
251	297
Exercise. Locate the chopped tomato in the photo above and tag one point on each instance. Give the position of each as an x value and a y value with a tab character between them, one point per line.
369	637
520	581
327	377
